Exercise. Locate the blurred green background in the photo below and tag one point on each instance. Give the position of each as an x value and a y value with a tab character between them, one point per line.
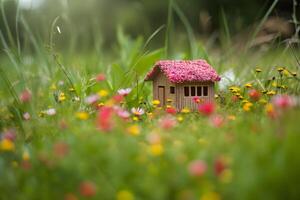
86	25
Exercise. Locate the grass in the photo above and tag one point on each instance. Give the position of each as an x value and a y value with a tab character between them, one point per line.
69	155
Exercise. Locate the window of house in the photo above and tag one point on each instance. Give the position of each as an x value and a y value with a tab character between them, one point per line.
199	91
205	91
172	90
186	91
193	91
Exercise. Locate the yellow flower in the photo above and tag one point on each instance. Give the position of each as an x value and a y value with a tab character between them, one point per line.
61	97
53	87
125	195
231	117
103	93
210	196
258	70
82	115
226	176
185	110
247	106
155	102
245	101
100	104
169	100
179	118
234	89
284	87
269	108
272	92
135	118
294	73
285	72
25	156
7	145
71	89
168	106
263	101
248	85
280	69
274	84
156	149
133	130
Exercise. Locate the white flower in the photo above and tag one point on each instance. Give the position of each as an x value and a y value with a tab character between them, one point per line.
137	111
50	111
123	114
26	116
124	92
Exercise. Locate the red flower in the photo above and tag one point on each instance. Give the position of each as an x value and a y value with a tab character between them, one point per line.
100	77
25	96
118	98
104	119
87	189
219	166
254	95
171	110
196	99
197	168
206	108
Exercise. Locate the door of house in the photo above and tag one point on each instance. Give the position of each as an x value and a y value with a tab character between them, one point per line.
161	95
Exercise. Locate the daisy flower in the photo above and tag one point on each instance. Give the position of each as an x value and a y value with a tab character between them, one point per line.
138	111
124	92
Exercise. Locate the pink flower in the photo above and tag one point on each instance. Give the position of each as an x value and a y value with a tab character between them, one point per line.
217	120
206	108
10	135
104	119
137	111
254	95
124	92
91	99
26	116
171	110
283	101
118	98
50	112
197	168
100	77
167	122
196	100
123	114
25	96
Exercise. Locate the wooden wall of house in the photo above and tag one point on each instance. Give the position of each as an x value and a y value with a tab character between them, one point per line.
162	80
187	102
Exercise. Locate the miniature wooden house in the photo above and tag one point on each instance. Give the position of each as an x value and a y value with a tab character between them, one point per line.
180	81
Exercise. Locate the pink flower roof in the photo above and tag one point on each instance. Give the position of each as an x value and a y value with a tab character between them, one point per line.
179	71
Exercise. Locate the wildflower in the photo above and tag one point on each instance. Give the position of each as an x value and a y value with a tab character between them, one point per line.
61	149
171	110
247	106
104	119
179	118
197	168
210	196
61	97
124	92
262	101
82	115
283	101
125	195
50	112
234	89
87	189
258	70
269	109
220	164
25	155
231	117
185	110
254	94
25	96
118	98
206	108
135	118
167	122
285	72
26	116
91	99
155	102
271	93
71	90
7	145
294	74
133	130
169	100
156	149
280	69
137	111
196	100
10	135
103	93
124	114
217	120
248	85
100	77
